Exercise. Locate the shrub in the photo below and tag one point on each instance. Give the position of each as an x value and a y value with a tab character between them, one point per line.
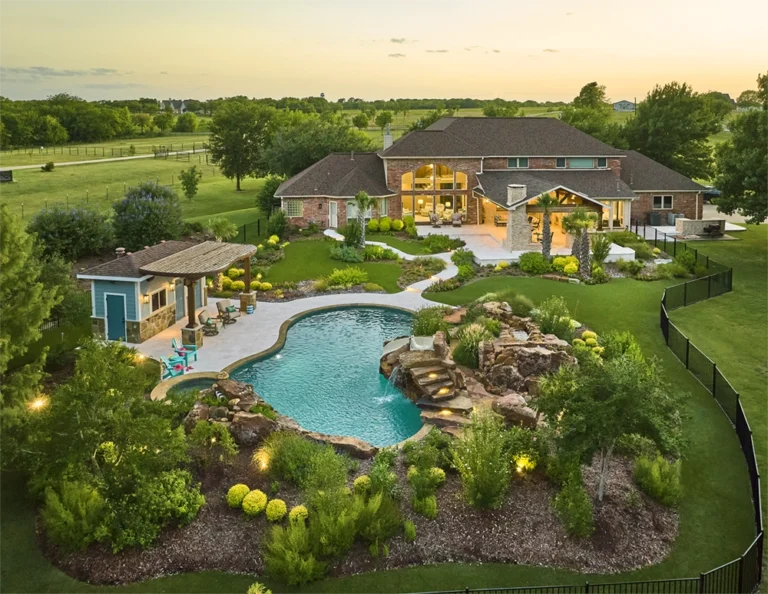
599	276
659	478
298	513
373	225
255	285
226	283
435	244
700	271
591	342
71	232
288	555
587	334
74	515
570	268
521	305
425	480
642	250
476	456
622	238
236	494
276	510
686	259
631	267
409	530
233	273
148	214
334	522
346	253
635	445
257	588
378	518
372	288
440	286
426	506
264	287
238	285
560	262
211	442
493	326
288	456
419	269
254	503
578	342
383	480
49	166
601	247
362	485
377	252
263	409
347	277
470	337
277	224
554	318
463	257
352	233
412	232
574	508
534	263
397	225
409	221
385	224
466	272
428	320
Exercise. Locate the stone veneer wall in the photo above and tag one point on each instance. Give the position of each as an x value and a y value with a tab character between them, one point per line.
518	230
683	202
154	324
98	328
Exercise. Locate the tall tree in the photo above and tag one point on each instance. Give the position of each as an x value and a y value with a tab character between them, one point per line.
591	95
363	202
190	179
143	121
360	121
577	224
164	121
24	306
591	113
671	126
239	132
186	122
546	202
383	118
148	214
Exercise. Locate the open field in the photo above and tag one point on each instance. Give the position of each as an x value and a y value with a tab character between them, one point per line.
102	150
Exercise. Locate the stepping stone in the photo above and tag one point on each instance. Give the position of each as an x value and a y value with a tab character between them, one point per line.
440	390
417	372
444	420
457	404
432	378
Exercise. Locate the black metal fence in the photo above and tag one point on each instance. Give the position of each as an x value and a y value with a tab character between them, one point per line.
742	575
251	232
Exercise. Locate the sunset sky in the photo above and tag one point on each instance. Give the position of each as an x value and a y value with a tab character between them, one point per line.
544	50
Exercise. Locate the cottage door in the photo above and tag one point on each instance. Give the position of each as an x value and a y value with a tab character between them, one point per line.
333	214
115	309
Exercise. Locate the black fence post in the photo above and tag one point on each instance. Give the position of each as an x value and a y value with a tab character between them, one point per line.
714	380
685	294
687	350
701	583
586	587
258	227
709	286
674	246
741	574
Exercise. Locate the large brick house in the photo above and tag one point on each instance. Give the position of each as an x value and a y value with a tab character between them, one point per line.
491	171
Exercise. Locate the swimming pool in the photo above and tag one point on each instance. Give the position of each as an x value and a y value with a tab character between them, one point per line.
327	377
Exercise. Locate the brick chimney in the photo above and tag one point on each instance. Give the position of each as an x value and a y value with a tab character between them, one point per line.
388	138
516	193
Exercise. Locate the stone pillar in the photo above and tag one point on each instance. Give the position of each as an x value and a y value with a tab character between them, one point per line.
247	299
192	336
518	230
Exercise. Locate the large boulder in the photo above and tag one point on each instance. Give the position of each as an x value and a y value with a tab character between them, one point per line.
513	408
357	448
505	377
539	360
199	412
231	389
248	429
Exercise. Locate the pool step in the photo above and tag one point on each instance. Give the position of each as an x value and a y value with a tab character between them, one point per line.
457	404
418	372
444	420
427	380
440	390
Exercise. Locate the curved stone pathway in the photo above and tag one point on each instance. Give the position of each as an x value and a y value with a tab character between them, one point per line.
260	330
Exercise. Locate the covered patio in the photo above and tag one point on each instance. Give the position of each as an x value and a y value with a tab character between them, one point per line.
204	259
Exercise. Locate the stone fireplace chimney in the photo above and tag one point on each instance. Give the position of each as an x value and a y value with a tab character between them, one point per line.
516	193
387	138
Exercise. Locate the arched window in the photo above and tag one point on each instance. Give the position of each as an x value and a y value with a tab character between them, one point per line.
406	182
424	178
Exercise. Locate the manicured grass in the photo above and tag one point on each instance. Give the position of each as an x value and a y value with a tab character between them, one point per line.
101	150
62	339
409	247
305	260
69	185
731	330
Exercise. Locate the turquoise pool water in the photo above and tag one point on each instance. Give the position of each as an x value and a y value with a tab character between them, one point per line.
327	377
192	384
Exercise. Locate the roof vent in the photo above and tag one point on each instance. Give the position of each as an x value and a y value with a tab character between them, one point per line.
119	252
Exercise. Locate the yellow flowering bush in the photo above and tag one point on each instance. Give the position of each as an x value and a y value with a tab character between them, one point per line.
265	287
438	475
560	262
255	285
570	268
588	334
273	238
577	342
298	513
591	342
362	484
234	273
238	285
598	350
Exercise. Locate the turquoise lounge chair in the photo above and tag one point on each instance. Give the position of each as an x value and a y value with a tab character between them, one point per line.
172	367
184	350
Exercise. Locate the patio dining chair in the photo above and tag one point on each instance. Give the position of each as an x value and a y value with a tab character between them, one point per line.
172	367
209	324
435	219
184	350
227	312
456	219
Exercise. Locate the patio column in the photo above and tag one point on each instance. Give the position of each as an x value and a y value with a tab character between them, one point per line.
611	206
247	297
247	266
190	284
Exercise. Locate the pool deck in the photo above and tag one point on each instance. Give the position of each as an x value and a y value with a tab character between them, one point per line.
259	331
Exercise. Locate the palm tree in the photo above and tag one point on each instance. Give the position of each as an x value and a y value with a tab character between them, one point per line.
363	202
576	225
546	202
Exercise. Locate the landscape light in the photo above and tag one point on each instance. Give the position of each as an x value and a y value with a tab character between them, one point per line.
38	404
443	391
262	459
432	375
445	412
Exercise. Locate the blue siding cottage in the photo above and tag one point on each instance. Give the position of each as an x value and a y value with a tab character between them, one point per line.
133	306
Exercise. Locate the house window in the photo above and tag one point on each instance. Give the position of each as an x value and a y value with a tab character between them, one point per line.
352	211
293	208
581	163
159	300
517	163
602	163
662	202
406	182
560	163
461	181
384	207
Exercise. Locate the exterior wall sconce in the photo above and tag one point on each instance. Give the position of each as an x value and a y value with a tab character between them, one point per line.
145	298
319	206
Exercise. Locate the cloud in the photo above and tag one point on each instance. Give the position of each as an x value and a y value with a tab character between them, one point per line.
437	51
550	51
163	72
38	72
496	51
399	40
570	13
396	55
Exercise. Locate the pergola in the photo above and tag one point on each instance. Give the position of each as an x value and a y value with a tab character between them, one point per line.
204	259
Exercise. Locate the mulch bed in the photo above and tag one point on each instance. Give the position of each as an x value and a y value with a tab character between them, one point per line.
524	530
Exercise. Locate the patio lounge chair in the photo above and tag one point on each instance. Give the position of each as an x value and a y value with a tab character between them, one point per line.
456	219
435	219
209	324
184	350
172	367
227	312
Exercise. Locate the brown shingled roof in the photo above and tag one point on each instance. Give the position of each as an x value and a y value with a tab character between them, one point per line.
128	265
483	137
339	174
642	173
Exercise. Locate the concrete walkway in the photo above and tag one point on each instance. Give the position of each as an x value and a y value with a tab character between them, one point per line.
107	160
256	332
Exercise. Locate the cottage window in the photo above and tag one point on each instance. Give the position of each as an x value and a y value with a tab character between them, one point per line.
662	202
159	300
581	163
293	208
602	163
560	163
517	163
352	211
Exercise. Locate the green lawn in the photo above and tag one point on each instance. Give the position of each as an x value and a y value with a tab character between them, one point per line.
732	331
101	150
216	196
305	260
409	247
